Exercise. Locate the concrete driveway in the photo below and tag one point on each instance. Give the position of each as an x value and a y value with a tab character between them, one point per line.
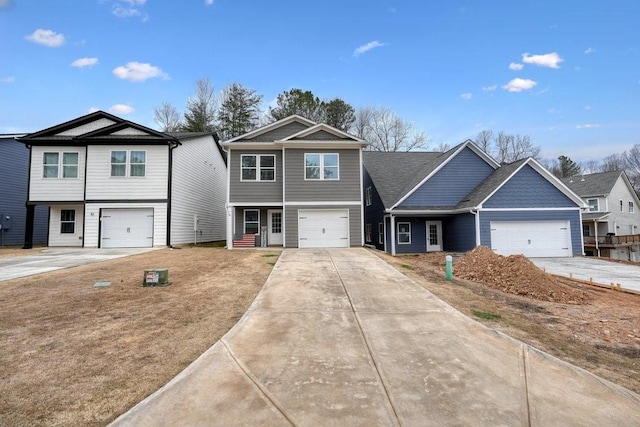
57	258
339	337
588	268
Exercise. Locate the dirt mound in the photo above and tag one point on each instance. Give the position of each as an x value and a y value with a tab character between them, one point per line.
515	274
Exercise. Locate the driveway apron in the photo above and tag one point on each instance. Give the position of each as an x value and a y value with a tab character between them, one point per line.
339	337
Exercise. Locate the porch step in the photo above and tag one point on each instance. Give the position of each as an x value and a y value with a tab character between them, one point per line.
247	241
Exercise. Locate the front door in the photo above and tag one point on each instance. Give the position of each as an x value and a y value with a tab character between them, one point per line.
434	236
275	227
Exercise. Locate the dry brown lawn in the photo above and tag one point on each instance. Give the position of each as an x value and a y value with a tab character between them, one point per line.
74	354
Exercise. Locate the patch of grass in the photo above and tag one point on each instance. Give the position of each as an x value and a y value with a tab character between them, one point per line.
485	315
407	266
268	255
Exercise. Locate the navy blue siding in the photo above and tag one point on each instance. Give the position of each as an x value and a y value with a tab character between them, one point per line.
418	236
528	189
14	173
571	215
459	233
373	214
454	181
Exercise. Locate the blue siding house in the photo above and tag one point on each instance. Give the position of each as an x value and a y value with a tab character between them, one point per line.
14	174
462	198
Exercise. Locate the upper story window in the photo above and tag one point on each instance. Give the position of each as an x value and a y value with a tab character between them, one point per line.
60	165
321	166
593	205
631	208
368	196
128	163
258	167
621	206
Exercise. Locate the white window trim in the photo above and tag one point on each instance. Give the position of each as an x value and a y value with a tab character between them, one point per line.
632	207
61	164
368	233
127	163
258	179
244	220
321	178
597	209
368	196
409	232
68	222
381	233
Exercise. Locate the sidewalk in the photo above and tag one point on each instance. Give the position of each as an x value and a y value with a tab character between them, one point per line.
338	337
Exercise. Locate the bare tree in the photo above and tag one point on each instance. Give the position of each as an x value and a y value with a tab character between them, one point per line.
201	109
613	162
386	131
505	147
167	117
484	140
591	166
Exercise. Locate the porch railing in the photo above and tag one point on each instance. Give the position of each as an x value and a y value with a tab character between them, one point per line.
613	240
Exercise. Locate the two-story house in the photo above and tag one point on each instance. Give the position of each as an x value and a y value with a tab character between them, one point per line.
611	224
294	183
462	198
109	183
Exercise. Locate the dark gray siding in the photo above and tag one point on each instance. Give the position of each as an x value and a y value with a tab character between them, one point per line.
373	214
451	183
254	191
571	215
14	173
279	133
528	189
459	233
291	224
347	188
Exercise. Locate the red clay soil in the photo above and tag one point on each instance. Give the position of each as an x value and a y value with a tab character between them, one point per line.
516	275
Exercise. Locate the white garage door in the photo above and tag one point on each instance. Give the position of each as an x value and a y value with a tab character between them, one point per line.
323	228
126	228
532	238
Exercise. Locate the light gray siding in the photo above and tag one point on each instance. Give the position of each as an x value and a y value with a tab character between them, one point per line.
254	191
279	133
291	223
345	189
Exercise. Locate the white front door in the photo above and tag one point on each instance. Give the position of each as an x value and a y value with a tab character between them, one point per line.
275	227
434	236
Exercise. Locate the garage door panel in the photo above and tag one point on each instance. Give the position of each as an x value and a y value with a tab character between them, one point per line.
126	228
531	238
327	228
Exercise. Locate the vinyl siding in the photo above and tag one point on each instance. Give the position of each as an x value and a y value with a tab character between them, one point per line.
102	186
459	233
199	188
279	133
356	227
92	223
345	189
451	183
418	236
374	213
528	189
624	219
55	189
573	216
56	238
254	191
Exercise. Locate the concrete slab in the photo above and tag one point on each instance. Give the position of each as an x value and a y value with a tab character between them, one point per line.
339	337
51	259
587	268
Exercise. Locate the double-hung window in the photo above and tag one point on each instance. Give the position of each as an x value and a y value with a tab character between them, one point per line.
381	233
251	221
368	196
404	233
258	167
67	221
593	205
60	165
128	163
321	166
631	207
368	233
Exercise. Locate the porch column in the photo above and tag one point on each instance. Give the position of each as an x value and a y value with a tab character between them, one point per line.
230	227
393	235
28	231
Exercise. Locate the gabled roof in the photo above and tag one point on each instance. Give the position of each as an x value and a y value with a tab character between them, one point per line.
594	184
321	129
271	126
97	128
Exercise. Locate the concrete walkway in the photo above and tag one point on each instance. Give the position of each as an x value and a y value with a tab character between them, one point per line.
338	337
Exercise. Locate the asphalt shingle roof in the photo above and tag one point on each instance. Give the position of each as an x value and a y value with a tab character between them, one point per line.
594	184
489	185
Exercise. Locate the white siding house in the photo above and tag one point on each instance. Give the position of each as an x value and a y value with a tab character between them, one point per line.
109	182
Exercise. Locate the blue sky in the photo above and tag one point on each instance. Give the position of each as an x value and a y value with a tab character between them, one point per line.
567	72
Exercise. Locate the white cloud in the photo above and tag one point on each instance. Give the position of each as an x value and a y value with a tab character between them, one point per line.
515	66
367	47
589	50
46	38
8	79
121	109
551	60
588	126
208	2
466	95
84	62
587	107
129	9
518	85
489	88
93	110
139	72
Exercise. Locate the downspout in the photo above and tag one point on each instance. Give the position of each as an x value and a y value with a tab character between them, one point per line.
474	212
393	234
30	218
595	227
284	200
172	145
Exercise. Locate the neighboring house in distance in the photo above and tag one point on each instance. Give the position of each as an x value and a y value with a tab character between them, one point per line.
611	226
111	183
295	183
14	174
462	198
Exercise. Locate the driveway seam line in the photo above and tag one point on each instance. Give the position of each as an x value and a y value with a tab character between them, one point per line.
255	381
525	367
366	342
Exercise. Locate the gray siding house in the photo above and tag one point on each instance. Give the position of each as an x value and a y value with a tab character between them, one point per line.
294	183
462	198
14	174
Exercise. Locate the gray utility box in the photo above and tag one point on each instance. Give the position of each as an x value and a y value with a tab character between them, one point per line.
156	277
